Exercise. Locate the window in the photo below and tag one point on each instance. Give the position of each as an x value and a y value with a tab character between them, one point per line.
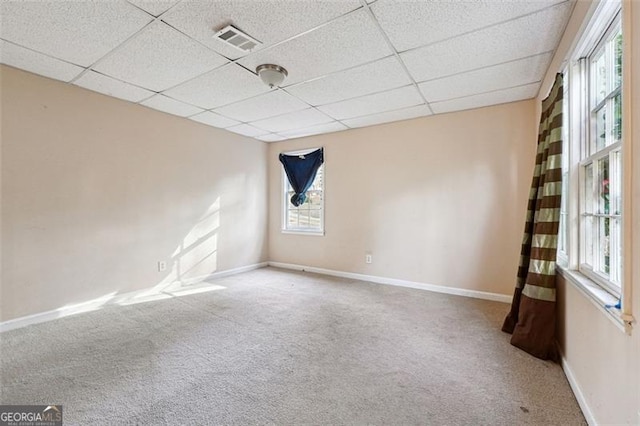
594	212
308	218
601	162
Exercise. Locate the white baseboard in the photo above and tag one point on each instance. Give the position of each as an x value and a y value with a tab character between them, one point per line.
115	298
582	402
226	273
505	298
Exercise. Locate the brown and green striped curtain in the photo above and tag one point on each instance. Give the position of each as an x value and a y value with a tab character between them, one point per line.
532	319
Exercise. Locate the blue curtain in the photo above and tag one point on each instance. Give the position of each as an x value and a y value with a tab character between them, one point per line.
301	171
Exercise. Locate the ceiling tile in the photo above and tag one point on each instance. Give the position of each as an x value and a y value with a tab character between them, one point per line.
270	137
154	7
158	58
37	63
112	87
411	24
510	74
246	130
80	32
346	42
516	39
219	87
386	117
270	104
314	130
370	78
215	120
293	120
486	99
163	103
267	21
379	102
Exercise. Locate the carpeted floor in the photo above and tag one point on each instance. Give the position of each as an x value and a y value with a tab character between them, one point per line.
279	347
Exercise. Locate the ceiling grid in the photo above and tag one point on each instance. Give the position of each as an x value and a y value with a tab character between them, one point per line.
351	63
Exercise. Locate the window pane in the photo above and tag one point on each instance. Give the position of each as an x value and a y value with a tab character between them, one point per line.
615	186
616	248
617	52
604	249
588	189
601	128
292	218
307	216
600	71
616	132
588	240
562	235
603	186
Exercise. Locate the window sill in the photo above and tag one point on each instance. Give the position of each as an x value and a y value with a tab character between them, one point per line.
603	300
300	232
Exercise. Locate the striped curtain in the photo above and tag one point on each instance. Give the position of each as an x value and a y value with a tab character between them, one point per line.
532	319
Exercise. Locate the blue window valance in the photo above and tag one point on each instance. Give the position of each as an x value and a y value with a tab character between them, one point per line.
301	171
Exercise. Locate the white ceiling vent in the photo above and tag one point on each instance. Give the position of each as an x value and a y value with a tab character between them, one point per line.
236	38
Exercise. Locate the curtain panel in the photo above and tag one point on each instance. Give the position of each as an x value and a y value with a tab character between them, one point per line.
532	319
301	171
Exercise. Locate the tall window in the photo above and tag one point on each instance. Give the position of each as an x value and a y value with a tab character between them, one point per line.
309	216
601	162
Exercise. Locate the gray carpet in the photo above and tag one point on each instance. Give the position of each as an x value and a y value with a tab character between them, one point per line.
279	347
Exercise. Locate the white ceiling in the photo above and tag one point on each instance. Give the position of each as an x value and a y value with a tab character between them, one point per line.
351	63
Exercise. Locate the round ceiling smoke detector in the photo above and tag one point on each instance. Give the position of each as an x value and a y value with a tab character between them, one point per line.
271	75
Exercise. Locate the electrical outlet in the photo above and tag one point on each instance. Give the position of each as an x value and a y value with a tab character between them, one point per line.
368	258
162	265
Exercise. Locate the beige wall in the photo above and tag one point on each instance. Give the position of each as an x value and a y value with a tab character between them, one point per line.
604	361
95	191
437	200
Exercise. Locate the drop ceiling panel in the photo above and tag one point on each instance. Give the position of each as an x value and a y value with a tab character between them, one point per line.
314	130
163	103
346	42
486	99
293	120
387	117
154	7
267	105
271	137
510	74
158	58
219	87
267	21
213	119
371	104
369	78
37	63
112	87
246	130
513	40
80	32
410	24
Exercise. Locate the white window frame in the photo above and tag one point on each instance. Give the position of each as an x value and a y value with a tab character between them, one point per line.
590	156
286	207
614	302
564	239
